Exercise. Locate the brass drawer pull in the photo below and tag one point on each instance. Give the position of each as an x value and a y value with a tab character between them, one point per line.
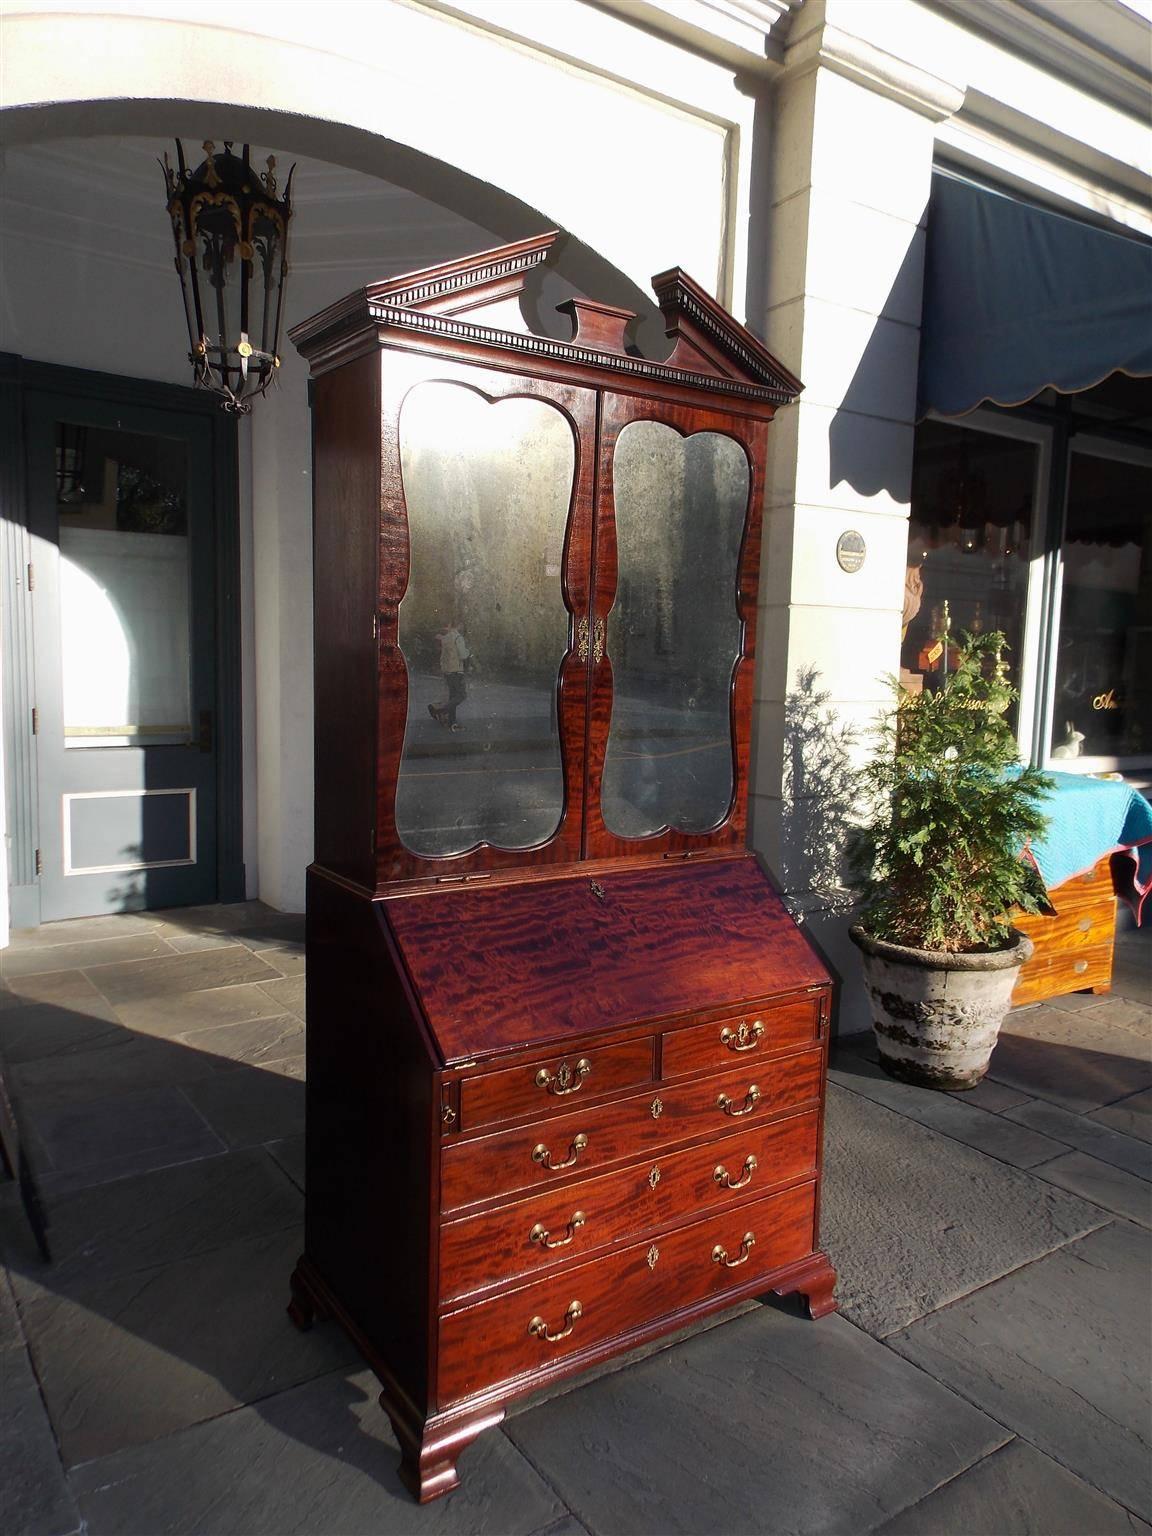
751	1099
1085	925
540	1234
538	1328
725	1179
720	1253
541	1154
744	1038
566	1080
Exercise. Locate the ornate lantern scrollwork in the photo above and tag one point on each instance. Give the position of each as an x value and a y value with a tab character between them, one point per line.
231	233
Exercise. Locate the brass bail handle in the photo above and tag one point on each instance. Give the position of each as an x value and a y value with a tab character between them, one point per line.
746	1037
566	1079
728	1106
538	1328
725	1179
540	1234
541	1154
720	1253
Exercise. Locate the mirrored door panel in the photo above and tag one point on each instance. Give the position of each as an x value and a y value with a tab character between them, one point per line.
483	625
674	632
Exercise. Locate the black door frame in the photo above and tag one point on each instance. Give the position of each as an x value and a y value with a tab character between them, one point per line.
18	377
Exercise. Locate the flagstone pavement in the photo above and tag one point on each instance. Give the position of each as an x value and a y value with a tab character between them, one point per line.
987	1373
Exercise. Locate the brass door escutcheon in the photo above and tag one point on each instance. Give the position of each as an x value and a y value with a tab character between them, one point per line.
582	639
538	1328
566	1079
725	1179
751	1099
540	1234
541	1154
598	642
746	1037
720	1253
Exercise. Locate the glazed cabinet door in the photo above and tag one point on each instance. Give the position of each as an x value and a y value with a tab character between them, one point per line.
676	561
484	617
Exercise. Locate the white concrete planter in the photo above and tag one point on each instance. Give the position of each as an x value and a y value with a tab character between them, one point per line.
937	1016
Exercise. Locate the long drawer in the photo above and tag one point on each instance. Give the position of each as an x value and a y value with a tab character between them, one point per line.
583	1305
585	1141
551	1227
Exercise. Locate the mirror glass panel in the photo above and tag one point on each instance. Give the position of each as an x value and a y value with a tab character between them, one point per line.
674	631
483	625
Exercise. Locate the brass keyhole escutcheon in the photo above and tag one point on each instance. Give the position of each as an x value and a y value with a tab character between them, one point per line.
657	1108
654	1176
651	1257
744	1038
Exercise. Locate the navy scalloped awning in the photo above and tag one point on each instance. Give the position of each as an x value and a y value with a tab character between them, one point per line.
1017	300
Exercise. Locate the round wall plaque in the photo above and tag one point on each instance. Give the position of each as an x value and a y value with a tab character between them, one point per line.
850	551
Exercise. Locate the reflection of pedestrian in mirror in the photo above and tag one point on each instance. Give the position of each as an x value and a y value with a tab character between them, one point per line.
454	654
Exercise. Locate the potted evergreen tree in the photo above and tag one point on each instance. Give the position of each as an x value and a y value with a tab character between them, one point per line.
950	810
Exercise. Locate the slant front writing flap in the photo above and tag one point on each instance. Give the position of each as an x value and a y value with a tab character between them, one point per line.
502	967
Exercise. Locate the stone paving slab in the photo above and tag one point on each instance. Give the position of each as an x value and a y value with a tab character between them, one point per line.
254	1043
1060	1353
133	981
36	1499
1017	1491
568	1526
85	1144
34	1031
287	994
248	1107
1086	1134
1132	1116
186	1013
75	957
157	1218
860	1071
1103	1184
317	1460
79	930
913	1220
769	1423
289	1153
1078	1078
120	1063
135	1357
66	989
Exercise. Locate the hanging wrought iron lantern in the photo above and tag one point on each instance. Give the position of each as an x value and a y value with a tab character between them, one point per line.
231	232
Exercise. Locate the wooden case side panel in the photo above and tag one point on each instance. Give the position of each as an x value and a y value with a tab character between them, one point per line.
346	513
370	1134
619	411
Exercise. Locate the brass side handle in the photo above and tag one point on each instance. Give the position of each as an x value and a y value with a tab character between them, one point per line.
720	1253
565	1079
538	1328
728	1106
541	1154
540	1234
746	1037
725	1179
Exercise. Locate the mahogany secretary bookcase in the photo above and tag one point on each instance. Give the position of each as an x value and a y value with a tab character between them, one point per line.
566	1048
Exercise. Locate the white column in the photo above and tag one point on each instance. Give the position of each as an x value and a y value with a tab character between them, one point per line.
852	164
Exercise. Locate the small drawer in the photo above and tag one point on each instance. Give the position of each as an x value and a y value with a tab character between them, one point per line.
580	1306
558	1226
560	1082
567	1147
740	1037
1050	974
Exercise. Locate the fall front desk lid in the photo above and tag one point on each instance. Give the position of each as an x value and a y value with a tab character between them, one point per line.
512	965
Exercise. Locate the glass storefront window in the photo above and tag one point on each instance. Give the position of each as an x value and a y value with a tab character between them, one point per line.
1102	705
970	540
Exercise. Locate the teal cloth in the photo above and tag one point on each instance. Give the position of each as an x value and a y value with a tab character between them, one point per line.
1089	818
